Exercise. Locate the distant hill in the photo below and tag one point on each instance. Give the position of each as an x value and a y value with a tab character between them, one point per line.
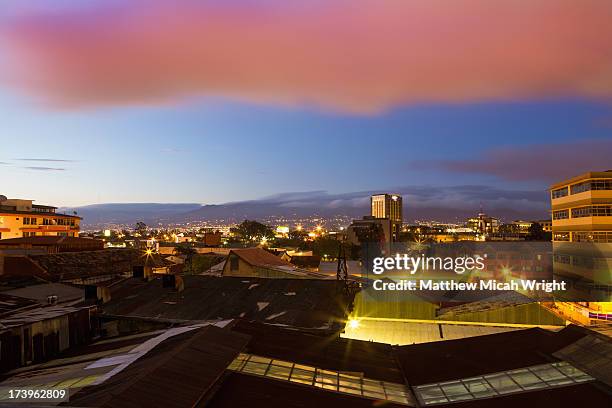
447	204
130	213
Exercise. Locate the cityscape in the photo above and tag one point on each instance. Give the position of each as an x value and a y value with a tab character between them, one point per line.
297	204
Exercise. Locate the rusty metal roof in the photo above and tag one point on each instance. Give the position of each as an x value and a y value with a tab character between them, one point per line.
308	303
259	257
176	373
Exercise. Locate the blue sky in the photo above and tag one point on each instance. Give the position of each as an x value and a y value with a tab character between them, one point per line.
216	151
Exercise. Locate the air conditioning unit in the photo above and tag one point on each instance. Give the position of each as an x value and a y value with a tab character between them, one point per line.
52	299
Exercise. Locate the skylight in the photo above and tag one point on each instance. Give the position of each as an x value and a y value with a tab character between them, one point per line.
498	384
346	383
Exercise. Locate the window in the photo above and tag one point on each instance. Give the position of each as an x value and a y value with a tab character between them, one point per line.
508	382
581	187
560	192
601	184
592	211
325	379
561	236
605	184
26	221
581	212
599	237
601	211
560	215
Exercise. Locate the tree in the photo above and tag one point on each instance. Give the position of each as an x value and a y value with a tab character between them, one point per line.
509	229
253	231
188	252
141	228
202	263
535	233
326	247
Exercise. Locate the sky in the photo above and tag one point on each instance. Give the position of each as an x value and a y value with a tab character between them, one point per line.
221	101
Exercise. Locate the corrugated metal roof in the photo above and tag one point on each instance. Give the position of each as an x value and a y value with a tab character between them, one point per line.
405	333
11	304
38	314
449	360
259	257
374	360
40	293
176	373
307	303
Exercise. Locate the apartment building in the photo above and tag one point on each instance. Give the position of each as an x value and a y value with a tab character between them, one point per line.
582	208
582	245
21	218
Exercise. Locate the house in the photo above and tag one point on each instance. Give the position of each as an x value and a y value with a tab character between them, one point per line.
37	334
257	262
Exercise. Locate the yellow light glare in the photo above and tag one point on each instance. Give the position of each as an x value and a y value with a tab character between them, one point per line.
353	324
149	251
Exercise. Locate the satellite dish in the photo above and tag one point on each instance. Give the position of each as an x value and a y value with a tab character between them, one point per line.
3	198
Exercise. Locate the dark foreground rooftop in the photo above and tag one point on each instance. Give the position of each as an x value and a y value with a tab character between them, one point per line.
306	303
217	365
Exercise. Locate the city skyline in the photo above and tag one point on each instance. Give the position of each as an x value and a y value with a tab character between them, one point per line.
92	115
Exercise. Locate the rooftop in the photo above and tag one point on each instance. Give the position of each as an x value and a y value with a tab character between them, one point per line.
39	314
12	304
584	176
41	292
259	257
310	303
177	372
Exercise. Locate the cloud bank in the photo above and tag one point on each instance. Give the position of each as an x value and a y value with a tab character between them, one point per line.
360	56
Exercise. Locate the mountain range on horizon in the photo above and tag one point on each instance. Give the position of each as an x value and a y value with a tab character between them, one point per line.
446	204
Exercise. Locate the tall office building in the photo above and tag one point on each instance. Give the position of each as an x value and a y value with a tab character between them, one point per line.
389	206
582	244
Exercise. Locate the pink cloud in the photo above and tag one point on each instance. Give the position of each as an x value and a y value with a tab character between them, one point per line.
539	162
348	55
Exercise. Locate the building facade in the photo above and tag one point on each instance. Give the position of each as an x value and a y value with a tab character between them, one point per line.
582	208
582	245
483	224
21	218
388	206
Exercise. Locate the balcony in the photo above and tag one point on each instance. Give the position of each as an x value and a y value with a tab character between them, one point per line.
49	228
